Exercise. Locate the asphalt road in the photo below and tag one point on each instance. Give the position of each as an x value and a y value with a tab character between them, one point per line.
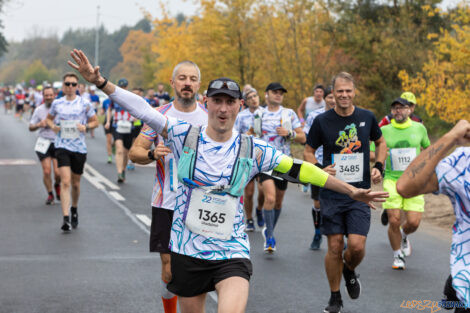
105	266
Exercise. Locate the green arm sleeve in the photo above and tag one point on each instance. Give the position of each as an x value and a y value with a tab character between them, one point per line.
308	172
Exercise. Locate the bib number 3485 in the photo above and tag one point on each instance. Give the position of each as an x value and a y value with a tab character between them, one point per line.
211	215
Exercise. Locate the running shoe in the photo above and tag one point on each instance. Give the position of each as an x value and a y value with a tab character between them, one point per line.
270	246
121	178
110	159
130	166
66	225
259	217
304	188
316	242
334	306
399	262
406	246
57	191
353	284
250	225
384	218
74	220
50	200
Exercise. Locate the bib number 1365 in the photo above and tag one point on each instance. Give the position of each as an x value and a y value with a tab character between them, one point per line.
214	217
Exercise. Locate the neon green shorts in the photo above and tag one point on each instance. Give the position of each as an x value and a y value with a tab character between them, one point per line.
395	201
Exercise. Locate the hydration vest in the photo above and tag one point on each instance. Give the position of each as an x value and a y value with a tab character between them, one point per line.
240	171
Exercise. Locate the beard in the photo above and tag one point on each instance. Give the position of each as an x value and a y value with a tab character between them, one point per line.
185	101
47	104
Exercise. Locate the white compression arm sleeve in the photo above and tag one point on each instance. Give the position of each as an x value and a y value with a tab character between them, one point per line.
139	108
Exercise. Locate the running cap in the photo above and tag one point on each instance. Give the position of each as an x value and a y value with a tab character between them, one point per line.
401	101
327	91
39	87
248	91
123	82
275	86
224	86
409	96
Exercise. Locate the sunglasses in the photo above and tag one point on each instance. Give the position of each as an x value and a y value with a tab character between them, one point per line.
69	83
220	83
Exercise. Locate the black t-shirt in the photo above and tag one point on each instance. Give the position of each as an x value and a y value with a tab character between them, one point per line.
345	135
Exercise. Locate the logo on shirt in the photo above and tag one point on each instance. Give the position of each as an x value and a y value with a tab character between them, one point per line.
348	139
362	124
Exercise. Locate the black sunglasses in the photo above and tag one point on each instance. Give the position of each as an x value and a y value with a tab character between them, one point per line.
69	83
217	84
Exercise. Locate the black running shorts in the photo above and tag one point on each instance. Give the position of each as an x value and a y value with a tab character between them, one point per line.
192	276
160	230
341	216
75	160
50	153
281	184
126	138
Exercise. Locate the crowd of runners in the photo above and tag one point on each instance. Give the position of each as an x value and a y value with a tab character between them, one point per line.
212	152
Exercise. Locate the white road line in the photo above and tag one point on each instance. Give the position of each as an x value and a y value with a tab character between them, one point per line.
117	196
144	219
17	162
100	178
92	180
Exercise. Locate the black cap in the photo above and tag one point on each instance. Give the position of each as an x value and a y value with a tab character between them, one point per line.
401	101
275	86
224	88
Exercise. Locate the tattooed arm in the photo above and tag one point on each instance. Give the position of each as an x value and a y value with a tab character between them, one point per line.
420	177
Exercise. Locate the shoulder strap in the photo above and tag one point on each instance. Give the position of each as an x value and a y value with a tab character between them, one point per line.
191	142
244	151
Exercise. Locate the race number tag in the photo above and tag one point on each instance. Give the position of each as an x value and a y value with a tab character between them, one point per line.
349	167
124	127
401	158
21	101
68	129
211	215
42	145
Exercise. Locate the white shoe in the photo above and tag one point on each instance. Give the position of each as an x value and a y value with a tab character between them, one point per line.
406	246
398	262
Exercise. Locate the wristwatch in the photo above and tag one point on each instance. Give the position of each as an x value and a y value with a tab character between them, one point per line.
150	155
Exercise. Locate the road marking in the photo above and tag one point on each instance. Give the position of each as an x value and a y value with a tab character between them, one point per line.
117	196
17	162
98	179
144	219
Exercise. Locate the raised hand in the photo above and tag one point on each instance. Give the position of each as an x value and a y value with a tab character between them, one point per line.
83	66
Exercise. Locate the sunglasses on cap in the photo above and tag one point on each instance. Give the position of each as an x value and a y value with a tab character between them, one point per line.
217	84
69	83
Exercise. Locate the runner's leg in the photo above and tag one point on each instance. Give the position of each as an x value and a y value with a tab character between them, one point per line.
248	199
412	222
334	261
232	295
355	251
75	189
193	304
46	171
65	186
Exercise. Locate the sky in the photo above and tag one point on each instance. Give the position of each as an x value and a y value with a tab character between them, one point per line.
30	18
27	18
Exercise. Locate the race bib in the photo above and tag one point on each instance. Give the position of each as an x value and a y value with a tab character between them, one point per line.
42	145
124	127
349	167
68	129
211	215
21	101
401	158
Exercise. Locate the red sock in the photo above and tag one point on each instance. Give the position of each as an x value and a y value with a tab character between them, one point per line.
169	305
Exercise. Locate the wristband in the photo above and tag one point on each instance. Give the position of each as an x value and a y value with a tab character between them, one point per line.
150	155
380	167
103	84
319	165
302	120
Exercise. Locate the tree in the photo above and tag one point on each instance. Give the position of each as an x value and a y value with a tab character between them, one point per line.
443	84
3	41
36	71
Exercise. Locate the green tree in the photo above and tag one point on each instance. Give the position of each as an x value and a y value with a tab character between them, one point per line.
36	71
3	41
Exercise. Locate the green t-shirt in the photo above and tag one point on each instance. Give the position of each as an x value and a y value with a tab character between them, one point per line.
401	139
